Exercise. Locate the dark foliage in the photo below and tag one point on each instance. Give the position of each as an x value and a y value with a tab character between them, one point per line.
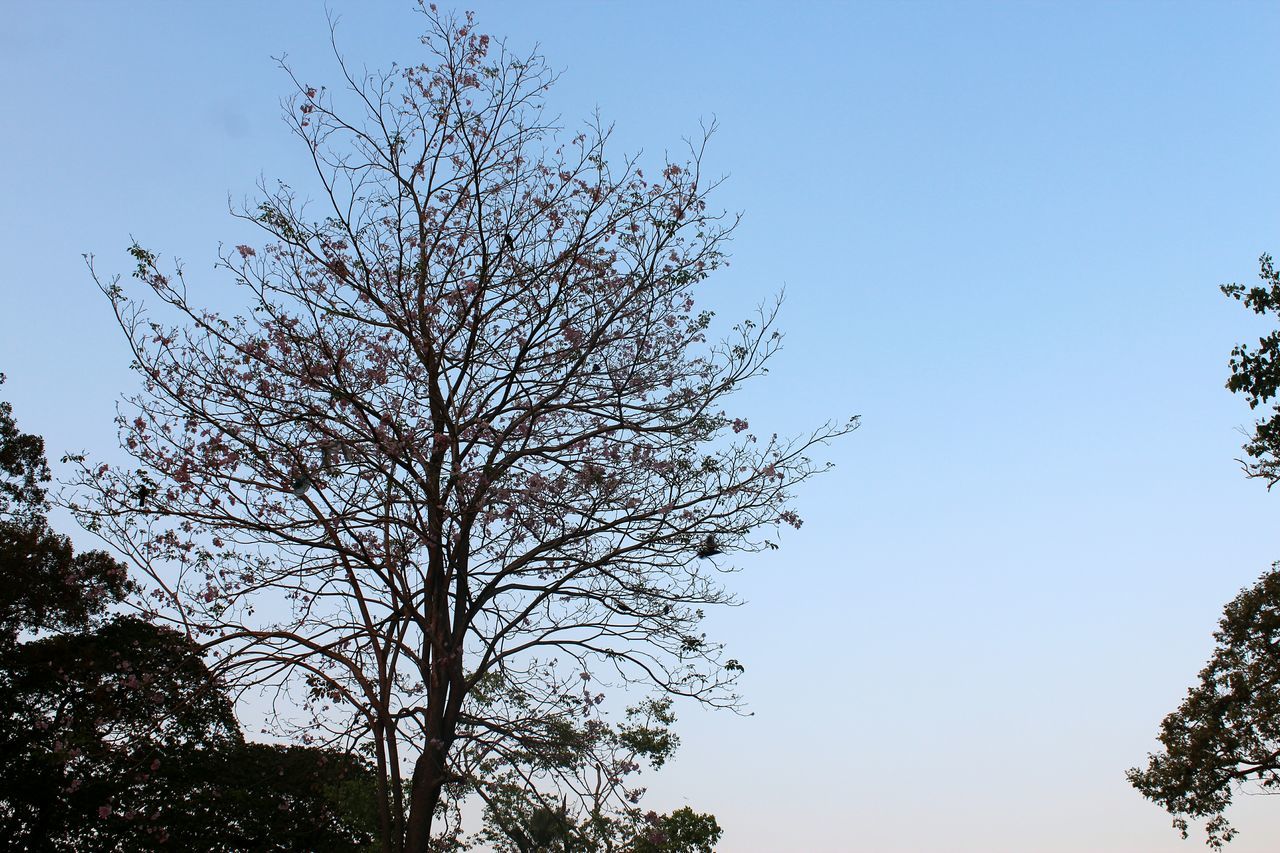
1226	733
23	470
89	719
1256	373
118	739
47	586
523	817
682	831
113	733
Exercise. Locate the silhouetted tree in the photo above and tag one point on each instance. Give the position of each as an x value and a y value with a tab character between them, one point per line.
23	469
682	831
523	816
113	733
1256	373
1226	733
47	586
468	423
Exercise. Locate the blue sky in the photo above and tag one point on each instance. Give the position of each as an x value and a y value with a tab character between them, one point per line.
1000	227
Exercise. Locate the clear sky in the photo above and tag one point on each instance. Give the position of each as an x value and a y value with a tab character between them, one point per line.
1000	226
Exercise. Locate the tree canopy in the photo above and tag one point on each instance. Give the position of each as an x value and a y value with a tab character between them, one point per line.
1226	733
47	585
460	469
1255	372
114	735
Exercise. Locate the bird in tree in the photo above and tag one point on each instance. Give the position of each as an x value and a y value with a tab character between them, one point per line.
709	547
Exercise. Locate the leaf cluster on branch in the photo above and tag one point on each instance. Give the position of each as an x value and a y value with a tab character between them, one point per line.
1256	373
1226	733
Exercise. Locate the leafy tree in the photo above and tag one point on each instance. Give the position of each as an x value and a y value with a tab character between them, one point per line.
467	423
113	733
527	800
682	831
118	739
47	585
554	829
23	469
1256	373
1226	733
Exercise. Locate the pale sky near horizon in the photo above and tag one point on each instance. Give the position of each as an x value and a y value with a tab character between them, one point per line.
1001	228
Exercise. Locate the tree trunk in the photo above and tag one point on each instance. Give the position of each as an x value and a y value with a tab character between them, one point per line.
428	780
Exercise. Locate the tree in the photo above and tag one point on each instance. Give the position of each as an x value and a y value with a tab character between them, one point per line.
1226	733
467	430
522	816
113	733
682	831
23	469
47	585
1256	373
117	738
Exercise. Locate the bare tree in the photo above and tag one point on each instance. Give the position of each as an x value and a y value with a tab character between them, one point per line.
463	456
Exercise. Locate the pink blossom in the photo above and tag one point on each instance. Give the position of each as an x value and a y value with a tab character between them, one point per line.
791	518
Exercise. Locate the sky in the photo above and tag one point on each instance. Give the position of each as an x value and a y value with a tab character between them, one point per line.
1000	228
